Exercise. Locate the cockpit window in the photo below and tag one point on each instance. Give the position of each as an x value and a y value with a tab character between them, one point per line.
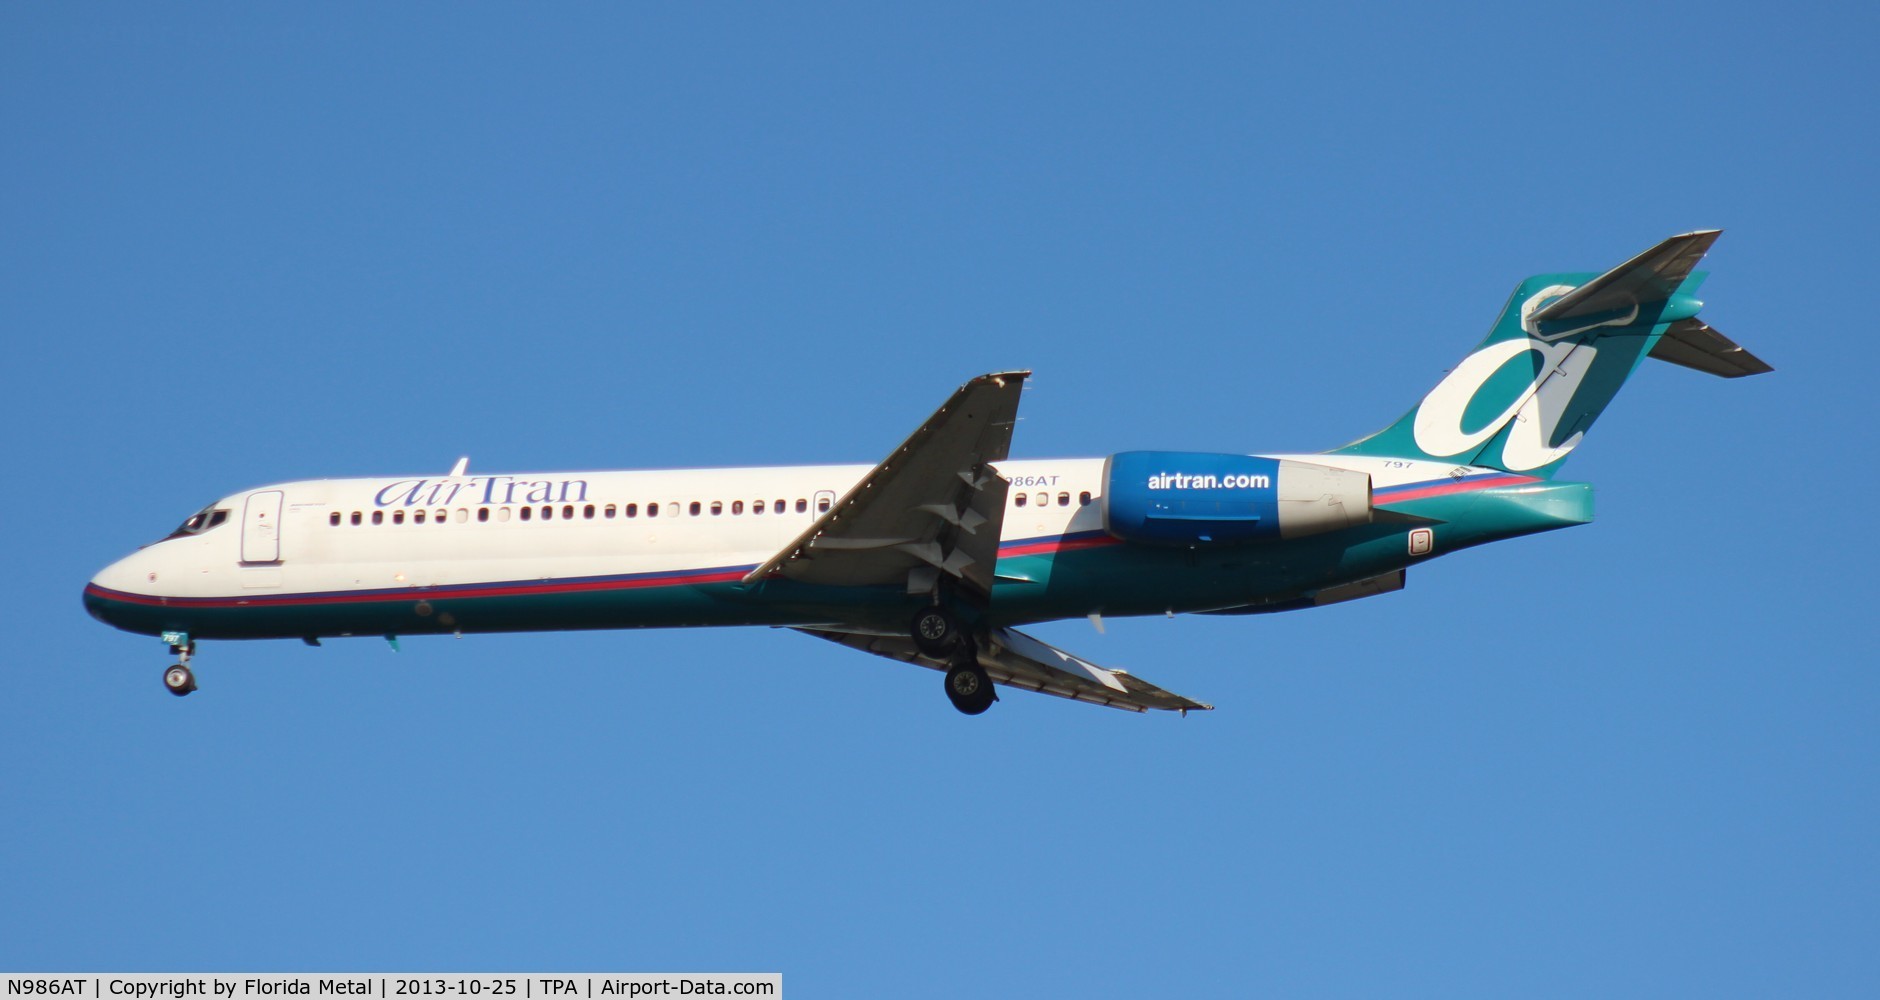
199	522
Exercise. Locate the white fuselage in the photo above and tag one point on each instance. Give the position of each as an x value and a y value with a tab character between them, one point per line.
337	535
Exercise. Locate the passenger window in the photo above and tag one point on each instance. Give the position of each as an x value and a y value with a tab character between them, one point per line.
567	512
417	517
502	513
757	506
333	519
737	506
440	516
588	512
463	515
822	506
398	517
1044	499
718	507
652	510
548	513
610	512
1083	499
633	510
695	508
525	512
1019	500
802	505
782	507
483	515
378	517
1064	499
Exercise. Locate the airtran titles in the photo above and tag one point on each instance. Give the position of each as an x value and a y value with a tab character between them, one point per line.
481	489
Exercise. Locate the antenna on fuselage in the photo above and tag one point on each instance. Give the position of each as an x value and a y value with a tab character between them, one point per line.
458	469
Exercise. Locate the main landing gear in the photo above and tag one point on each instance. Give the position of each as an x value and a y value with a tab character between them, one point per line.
179	680
968	687
938	634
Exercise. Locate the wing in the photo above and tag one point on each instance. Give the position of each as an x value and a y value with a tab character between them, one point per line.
1015	659
932	506
1650	277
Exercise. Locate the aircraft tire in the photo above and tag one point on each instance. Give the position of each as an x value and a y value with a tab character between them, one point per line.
179	680
969	689
936	632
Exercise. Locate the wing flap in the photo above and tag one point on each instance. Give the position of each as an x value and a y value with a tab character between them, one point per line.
1012	658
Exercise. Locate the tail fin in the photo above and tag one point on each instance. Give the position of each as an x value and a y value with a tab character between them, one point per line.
1564	344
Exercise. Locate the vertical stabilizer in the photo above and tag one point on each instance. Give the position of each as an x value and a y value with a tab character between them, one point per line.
1561	349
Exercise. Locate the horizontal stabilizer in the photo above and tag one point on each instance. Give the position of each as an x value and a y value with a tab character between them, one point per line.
1695	344
1650	277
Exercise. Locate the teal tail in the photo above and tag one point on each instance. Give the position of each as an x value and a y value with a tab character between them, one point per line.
1562	348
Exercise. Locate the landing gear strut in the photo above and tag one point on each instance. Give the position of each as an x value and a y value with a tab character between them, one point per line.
179	680
968	687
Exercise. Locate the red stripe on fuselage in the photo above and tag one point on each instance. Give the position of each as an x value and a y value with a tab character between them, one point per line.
682	578
453	592
1062	543
1421	491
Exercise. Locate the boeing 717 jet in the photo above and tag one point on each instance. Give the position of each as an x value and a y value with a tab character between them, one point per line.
940	553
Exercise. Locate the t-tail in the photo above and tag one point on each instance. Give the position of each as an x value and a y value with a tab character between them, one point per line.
1565	343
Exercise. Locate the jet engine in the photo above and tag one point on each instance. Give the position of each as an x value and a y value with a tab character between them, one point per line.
1201	498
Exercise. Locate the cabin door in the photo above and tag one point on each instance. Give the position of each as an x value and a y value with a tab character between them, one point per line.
261	528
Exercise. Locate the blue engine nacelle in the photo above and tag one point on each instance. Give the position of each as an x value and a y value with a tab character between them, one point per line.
1200	498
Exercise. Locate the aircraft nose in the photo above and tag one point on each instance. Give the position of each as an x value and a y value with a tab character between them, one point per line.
119	578
94	602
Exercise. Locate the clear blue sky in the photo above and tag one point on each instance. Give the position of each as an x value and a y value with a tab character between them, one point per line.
240	245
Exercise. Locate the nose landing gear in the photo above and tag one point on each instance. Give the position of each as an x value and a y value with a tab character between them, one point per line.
179	680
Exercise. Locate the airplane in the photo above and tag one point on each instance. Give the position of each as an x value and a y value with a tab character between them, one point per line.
939	553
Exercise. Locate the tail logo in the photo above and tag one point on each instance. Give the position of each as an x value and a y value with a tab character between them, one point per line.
1551	292
1536	410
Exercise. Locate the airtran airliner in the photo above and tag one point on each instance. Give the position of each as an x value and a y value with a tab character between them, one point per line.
941	552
